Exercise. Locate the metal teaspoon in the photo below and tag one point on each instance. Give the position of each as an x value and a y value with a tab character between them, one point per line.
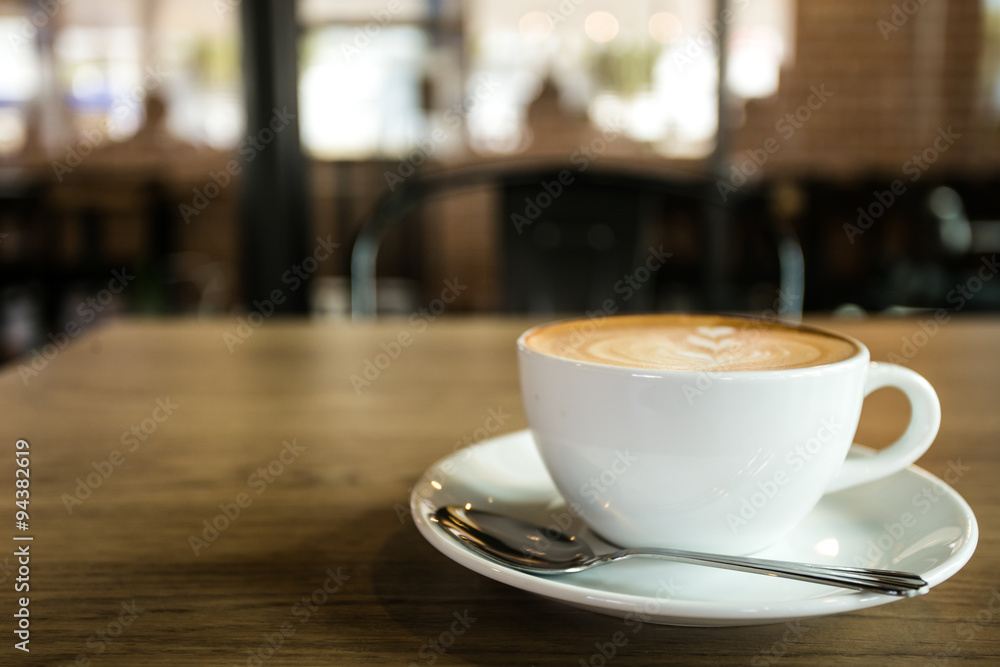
531	548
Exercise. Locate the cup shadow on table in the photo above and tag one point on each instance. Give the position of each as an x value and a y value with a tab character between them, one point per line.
425	592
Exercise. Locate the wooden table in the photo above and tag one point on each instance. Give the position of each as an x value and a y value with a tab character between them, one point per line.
140	430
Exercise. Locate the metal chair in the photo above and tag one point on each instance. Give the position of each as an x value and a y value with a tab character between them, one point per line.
568	237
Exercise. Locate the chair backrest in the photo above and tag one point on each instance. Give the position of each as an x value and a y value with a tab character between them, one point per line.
570	237
569	241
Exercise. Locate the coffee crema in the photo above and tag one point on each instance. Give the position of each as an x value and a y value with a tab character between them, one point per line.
690	343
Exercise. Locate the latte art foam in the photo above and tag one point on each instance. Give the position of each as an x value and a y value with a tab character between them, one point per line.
690	342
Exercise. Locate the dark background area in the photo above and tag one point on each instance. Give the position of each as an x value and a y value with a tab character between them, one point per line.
203	148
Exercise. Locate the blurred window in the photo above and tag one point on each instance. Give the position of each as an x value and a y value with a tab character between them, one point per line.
205	88
106	58
360	93
99	71
112	55
363	70
647	67
19	77
376	79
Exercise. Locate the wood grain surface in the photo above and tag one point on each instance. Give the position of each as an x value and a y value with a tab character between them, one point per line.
322	565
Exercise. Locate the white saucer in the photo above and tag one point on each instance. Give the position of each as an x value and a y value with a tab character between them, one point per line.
506	475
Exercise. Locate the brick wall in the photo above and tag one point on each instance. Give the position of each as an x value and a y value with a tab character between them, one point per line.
893	86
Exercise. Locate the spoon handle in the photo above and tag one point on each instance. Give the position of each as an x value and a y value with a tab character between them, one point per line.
885	582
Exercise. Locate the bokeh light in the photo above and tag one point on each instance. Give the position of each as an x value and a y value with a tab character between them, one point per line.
665	27
602	27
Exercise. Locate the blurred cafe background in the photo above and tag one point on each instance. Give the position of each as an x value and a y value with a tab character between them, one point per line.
352	158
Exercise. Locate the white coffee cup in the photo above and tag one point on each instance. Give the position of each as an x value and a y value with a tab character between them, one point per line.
731	468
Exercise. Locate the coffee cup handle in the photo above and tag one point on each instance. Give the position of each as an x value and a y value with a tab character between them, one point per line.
925	419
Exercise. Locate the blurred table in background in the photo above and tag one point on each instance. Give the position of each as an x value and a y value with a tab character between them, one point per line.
144	431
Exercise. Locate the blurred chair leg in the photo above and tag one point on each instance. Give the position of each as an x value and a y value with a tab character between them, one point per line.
793	281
